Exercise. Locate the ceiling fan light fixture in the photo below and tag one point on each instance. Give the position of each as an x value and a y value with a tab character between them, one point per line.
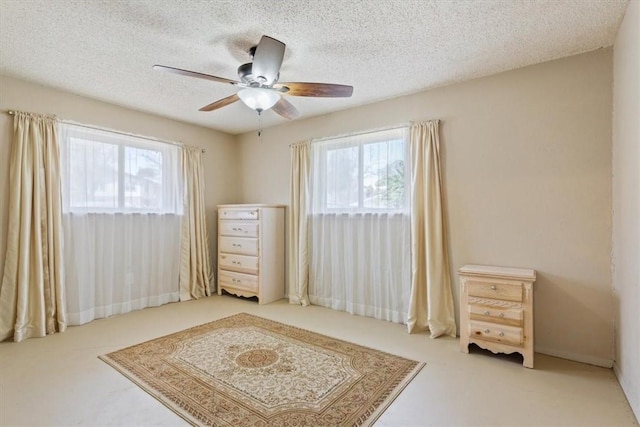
259	99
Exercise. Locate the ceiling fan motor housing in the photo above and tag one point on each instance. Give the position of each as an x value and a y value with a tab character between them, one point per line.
245	72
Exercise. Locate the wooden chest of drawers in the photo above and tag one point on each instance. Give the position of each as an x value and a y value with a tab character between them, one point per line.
496	309
251	251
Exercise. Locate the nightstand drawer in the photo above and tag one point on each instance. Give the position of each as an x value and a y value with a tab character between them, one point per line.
240	281
497	333
500	291
504	316
241	263
239	228
239	245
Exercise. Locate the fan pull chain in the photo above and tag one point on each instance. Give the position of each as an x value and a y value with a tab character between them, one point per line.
260	125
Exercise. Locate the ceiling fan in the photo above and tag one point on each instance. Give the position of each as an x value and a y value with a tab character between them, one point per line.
259	86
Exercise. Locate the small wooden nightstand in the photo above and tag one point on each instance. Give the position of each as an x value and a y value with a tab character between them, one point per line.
496	309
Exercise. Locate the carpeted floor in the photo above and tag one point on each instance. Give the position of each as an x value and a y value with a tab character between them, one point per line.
244	370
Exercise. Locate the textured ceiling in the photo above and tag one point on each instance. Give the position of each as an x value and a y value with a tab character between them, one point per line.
383	48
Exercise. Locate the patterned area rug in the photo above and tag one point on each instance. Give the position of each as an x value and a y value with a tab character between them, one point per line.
244	370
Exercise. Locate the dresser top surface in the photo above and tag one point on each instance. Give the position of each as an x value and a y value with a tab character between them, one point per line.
249	206
493	271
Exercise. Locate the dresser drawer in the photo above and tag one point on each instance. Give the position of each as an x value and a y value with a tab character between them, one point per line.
248	213
505	316
239	228
241	263
497	333
500	291
246	282
238	245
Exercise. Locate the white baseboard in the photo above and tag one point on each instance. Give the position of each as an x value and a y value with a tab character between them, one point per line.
597	361
634	400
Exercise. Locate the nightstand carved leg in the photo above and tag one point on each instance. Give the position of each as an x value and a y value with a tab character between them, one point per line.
464	344
528	360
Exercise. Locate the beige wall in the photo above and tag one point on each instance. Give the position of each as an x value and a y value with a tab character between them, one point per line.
220	156
626	203
527	164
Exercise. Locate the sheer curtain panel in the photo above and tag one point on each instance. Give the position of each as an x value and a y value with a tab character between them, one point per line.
360	258
32	299
431	304
195	261
122	217
298	224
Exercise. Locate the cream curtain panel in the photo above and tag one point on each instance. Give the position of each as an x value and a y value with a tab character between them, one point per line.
431	302
32	300
195	262
298	261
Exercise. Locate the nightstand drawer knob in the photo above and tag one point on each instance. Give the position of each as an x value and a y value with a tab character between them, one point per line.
486	312
501	315
486	331
501	334
493	287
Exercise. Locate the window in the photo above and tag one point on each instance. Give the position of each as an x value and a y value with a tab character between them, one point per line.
110	172
363	173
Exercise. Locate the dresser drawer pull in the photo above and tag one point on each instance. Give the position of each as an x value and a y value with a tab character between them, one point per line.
501	315
486	312
486	331
236	245
236	262
493	287
501	334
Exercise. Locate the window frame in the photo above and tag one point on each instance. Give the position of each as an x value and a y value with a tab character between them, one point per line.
122	142
360	141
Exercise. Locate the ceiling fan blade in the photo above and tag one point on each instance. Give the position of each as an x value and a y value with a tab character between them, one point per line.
221	103
194	74
267	60
320	90
285	109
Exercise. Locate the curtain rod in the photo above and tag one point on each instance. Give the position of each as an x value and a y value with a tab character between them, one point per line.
150	138
346	135
365	132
